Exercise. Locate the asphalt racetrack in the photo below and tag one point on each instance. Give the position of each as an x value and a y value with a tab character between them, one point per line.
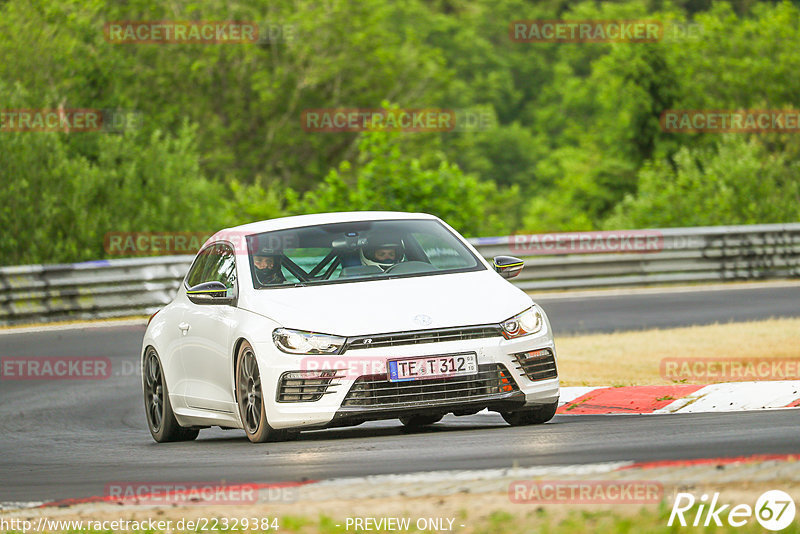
670	309
68	439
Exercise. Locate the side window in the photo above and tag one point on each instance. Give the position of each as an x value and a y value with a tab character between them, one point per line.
216	263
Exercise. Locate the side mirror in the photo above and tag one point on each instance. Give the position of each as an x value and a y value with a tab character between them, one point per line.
209	293
507	266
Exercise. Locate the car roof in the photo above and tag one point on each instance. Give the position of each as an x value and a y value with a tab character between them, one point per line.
297	221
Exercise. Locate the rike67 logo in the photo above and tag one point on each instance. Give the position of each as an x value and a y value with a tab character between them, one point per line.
774	510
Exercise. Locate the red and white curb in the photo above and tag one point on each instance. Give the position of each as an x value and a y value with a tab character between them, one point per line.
680	398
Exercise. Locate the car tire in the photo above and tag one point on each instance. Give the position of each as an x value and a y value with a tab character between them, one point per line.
160	418
250	399
531	416
419	421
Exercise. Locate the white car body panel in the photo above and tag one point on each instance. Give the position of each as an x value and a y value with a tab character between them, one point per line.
198	362
380	306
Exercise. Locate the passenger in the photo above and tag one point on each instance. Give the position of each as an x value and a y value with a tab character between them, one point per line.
267	265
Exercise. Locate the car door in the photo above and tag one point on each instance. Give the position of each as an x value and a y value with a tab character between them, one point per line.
206	349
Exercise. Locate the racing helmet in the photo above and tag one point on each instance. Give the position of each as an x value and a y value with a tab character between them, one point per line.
383	251
271	274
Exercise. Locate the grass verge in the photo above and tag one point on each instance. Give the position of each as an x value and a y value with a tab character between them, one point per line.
633	358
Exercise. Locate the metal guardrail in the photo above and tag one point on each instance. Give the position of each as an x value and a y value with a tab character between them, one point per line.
90	290
123	287
702	254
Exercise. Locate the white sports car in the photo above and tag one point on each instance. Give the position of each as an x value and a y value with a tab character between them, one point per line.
335	319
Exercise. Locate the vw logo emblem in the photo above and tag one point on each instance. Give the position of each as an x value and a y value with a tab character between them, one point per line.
367	341
422	319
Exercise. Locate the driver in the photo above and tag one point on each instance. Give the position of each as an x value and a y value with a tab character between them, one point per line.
267	263
383	252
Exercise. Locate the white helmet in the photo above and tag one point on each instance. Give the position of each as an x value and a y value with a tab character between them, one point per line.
383	251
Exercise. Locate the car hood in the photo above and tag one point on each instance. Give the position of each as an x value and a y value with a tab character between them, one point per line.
374	307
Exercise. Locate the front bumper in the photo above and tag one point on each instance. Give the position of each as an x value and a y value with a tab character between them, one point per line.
504	402
336	407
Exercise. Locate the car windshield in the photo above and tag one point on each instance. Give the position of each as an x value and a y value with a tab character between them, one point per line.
356	251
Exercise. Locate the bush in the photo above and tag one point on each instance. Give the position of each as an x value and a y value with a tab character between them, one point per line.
58	204
384	178
738	182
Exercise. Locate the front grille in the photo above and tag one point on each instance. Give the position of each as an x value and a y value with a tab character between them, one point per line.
423	336
537	364
377	391
305	386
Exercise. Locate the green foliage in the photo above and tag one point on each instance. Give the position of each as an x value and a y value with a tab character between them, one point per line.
383	177
575	142
58	205
245	98
738	182
254	202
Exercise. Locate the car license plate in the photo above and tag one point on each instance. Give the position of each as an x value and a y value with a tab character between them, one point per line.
442	366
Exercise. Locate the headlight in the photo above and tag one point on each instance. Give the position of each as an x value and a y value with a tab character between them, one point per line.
528	322
299	342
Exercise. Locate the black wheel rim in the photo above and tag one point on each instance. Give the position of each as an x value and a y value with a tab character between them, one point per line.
154	391
248	389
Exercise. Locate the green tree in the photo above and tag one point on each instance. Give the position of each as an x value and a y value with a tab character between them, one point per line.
246	99
738	182
382	177
58	205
